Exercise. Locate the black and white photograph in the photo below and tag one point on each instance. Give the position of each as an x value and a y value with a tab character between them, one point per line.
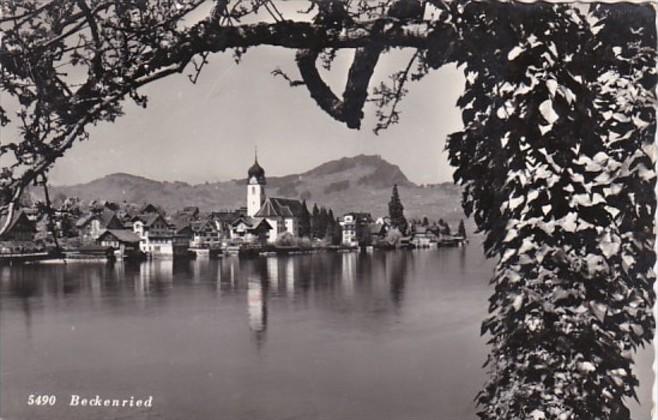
327	210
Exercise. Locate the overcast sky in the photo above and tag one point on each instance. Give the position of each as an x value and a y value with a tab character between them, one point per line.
208	131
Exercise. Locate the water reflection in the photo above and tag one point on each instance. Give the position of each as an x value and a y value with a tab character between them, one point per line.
257	309
267	338
332	282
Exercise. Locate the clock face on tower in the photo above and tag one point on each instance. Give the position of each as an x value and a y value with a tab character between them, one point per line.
253	180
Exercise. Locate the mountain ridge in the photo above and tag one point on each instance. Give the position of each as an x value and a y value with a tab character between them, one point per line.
357	183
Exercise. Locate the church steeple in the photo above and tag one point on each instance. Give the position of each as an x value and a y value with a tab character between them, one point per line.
255	187
256	174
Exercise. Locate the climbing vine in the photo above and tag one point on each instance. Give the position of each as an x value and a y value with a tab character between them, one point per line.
557	159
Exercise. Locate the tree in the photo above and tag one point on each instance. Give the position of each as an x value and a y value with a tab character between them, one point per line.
461	229
396	211
337	237
393	237
329	233
555	159
315	222
305	221
66	226
444	229
323	222
363	236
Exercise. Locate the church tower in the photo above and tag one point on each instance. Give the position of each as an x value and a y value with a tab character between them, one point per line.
255	188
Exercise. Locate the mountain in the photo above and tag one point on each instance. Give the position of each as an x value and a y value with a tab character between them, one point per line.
359	183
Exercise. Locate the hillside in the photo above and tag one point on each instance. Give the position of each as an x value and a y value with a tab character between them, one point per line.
359	183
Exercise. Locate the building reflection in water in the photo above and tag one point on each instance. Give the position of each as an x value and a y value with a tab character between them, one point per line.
348	273
462	259
372	285
273	272
227	273
290	278
257	308
157	276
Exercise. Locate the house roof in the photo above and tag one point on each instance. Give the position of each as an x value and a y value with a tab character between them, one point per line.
20	217
150	219
252	223
226	216
261	224
243	219
105	217
375	228
149	208
181	221
122	235
420	229
281	207
359	215
202	225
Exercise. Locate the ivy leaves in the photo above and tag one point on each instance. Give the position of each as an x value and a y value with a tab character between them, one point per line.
556	159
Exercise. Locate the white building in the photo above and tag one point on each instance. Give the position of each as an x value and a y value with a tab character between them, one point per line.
156	237
354	227
282	214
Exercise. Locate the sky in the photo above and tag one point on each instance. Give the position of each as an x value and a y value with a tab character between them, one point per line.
208	132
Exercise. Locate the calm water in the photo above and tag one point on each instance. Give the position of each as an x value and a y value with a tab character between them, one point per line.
328	336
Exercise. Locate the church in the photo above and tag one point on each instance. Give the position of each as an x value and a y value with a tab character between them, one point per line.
282	214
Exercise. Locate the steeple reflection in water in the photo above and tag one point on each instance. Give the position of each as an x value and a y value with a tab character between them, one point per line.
257	308
302	333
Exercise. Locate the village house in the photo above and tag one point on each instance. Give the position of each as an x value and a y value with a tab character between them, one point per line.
157	237
422	237
183	232
223	220
93	224
124	242
190	213
149	208
354	226
283	215
19	235
205	234
377	231
247	229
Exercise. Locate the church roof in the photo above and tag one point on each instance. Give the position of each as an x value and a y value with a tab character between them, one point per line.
256	171
281	207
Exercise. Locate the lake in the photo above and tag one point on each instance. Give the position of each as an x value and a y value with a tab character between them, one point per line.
387	335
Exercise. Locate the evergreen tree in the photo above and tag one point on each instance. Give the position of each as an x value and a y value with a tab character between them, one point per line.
337	234
461	230
305	221
323	222
396	211
329	232
315	222
426	221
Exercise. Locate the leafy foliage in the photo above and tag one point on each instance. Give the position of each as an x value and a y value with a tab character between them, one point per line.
557	160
